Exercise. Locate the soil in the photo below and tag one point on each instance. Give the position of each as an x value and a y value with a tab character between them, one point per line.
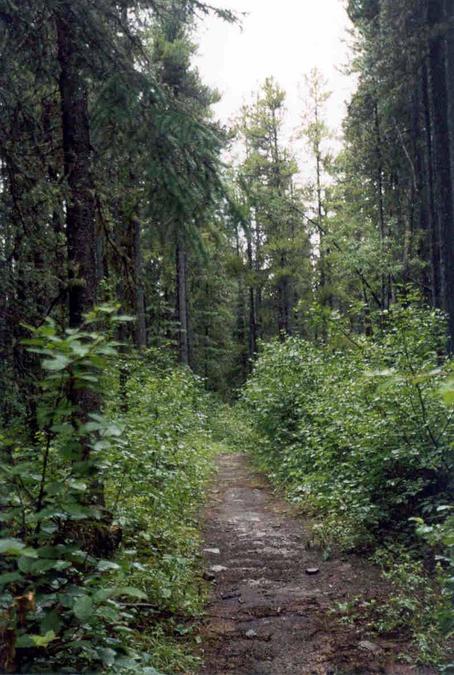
274	596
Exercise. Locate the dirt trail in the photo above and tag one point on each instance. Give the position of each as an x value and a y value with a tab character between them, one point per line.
267	615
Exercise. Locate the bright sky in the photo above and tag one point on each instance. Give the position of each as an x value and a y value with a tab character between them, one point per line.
284	38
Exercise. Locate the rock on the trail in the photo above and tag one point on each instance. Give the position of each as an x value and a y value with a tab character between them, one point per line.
251	634
312	570
231	596
213	551
217	568
369	647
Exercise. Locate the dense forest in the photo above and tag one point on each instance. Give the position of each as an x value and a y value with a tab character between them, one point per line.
170	285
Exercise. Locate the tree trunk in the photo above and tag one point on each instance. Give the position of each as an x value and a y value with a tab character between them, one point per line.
429	198
80	206
448	244
258	284
182	302
321	233
242	335
139	292
380	204
252	308
283	300
441	105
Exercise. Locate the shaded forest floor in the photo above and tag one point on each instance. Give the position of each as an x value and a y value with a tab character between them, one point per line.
267	615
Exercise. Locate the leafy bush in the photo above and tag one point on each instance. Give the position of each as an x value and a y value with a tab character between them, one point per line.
55	528
409	611
71	596
439	534
359	434
156	487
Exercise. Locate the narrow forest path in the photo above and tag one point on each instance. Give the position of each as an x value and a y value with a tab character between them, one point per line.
267	615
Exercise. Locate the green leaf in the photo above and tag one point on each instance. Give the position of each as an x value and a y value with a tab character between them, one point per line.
16	547
105	565
107	656
11	546
104	594
120	318
43	640
35	640
9	578
44	565
51	622
57	362
77	511
131	592
83	608
78	485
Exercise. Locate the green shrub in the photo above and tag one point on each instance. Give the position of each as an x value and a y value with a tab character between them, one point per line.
71	596
56	604
157	488
359	434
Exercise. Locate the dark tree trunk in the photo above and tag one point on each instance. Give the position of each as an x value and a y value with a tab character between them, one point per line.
368	329
252	306
380	203
206	334
139	292
182	301
258	284
242	334
430	224
448	247
441	105
80	206
80	203
283	300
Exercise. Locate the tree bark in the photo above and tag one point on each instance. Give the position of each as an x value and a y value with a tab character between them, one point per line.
431	224
441	106
380	204
252	342
80	206
448	248
242	334
182	301
139	291
283	300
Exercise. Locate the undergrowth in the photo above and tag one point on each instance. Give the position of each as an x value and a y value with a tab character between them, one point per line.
99	567
157	494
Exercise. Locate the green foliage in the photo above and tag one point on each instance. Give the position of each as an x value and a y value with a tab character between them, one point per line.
155	488
440	536
54	525
230	427
360	433
269	208
70	595
414	605
410	610
156	485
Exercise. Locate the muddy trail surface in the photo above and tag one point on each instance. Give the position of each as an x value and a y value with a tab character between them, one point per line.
273	594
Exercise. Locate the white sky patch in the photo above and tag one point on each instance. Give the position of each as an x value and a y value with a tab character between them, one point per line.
285	39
